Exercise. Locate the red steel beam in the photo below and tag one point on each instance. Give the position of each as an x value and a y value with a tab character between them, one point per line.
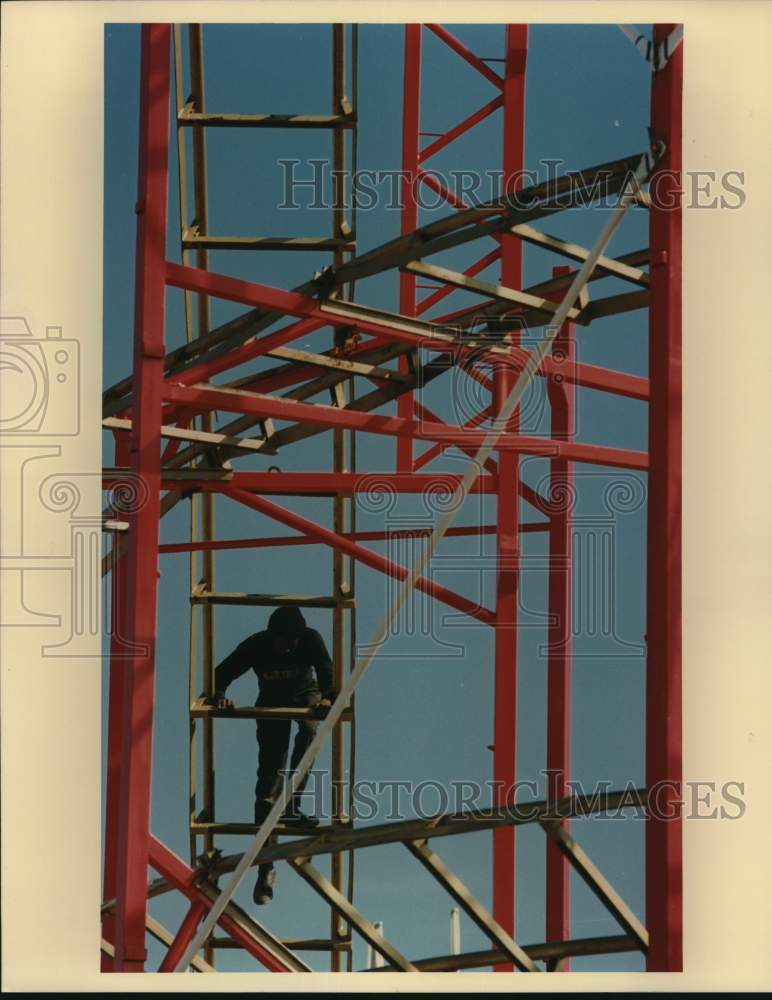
114	727
237	356
664	877
260	405
279	300
466	54
411	116
603	380
251	293
587	376
526	492
184	936
452	199
131	858
255	348
438	449
431	300
171	548
174	870
562	399
183	418
327	483
281	375
469	122
508	517
272	379
447	319
365	556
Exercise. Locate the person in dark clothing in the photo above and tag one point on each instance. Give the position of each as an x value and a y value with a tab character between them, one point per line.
284	657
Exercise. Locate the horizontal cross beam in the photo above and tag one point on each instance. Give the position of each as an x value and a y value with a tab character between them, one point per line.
338	839
205	397
548	951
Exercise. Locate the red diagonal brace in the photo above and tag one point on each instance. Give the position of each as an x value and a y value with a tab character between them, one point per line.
371	559
183	877
466	54
184	936
470	272
438	449
480	115
276	299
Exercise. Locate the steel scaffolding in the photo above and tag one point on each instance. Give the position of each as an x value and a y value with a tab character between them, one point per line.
168	449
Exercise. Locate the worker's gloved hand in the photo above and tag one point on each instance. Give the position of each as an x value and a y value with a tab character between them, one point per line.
323	707
218	700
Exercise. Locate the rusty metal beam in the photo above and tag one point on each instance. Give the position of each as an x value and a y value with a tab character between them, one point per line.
361	924
598	884
471	906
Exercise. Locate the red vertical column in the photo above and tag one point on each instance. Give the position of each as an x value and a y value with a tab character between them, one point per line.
561	394
664	889
507	538
114	722
131	861
411	112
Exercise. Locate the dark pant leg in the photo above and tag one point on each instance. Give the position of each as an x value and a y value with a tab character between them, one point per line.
273	744
303	737
263	870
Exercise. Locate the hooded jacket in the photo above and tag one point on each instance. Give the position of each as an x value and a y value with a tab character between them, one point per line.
280	675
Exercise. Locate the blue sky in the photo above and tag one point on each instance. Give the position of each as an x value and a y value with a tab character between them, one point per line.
425	708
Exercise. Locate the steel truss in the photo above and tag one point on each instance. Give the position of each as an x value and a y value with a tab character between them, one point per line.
168	449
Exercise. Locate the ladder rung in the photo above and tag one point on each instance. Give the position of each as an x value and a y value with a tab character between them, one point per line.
250	829
203	437
193	242
270	600
296	944
200	711
213	120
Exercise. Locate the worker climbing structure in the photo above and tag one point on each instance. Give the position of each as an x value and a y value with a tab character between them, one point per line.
181	422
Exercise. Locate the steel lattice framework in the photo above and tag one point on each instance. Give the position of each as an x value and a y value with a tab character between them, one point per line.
168	449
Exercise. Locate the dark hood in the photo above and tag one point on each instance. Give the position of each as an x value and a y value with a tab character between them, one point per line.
288	622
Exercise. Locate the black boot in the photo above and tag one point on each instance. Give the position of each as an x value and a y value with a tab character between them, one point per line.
263	891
